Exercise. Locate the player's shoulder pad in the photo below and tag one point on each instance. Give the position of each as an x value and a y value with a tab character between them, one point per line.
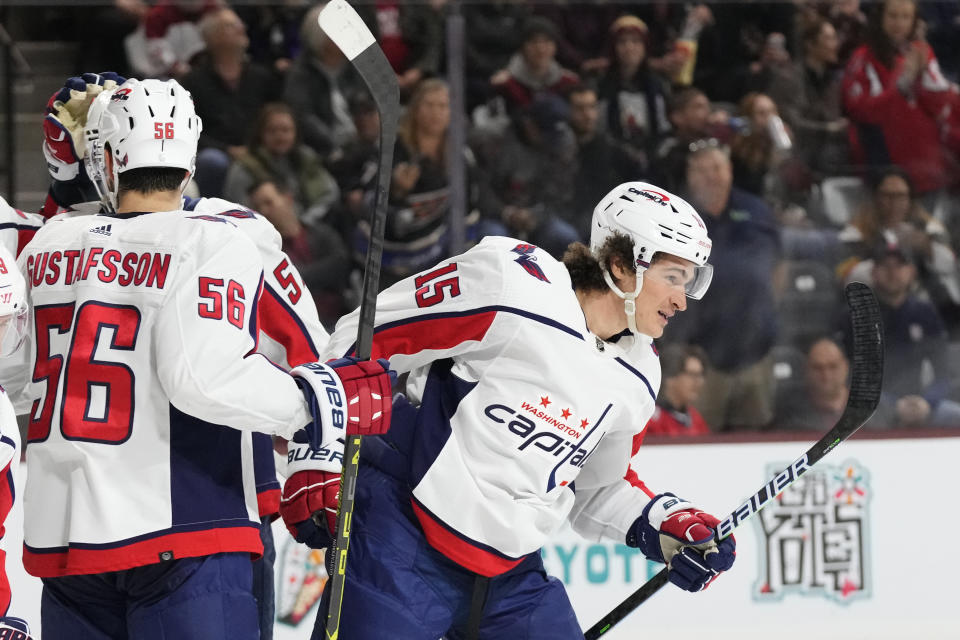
251	223
525	268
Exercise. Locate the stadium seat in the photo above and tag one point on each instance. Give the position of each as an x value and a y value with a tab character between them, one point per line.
810	302
839	198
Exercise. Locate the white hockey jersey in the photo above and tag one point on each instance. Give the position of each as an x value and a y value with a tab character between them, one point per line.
17	227
525	417
144	347
9	461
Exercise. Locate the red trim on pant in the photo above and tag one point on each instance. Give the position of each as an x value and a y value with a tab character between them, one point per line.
459	550
182	545
268	502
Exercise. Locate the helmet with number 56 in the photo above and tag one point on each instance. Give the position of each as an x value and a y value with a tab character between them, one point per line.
140	124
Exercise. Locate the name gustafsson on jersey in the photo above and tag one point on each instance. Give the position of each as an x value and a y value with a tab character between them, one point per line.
148	269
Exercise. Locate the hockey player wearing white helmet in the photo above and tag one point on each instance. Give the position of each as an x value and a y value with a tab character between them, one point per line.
528	379
290	331
141	514
13	329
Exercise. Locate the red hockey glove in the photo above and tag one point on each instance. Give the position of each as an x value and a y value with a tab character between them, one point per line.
346	397
673	531
64	144
308	506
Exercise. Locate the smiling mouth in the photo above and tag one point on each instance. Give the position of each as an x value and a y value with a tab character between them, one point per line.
665	317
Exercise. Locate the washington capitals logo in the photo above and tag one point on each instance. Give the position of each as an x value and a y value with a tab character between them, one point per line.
528	261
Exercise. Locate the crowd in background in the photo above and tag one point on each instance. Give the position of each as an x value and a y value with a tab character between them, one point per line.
818	140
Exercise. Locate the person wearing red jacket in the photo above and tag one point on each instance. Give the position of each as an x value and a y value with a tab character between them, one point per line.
683	367
894	94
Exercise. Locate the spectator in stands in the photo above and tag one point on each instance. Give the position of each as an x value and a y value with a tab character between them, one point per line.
228	91
943	33
601	160
275	154
533	69
103	32
826	386
318	86
355	165
169	38
736	51
894	92
493	35
418	218
692	118
317	251
761	148
635	98
851	25
411	36
530	168
274	31
773	60
684	368
915	343
893	211
582	33
808	95
746	256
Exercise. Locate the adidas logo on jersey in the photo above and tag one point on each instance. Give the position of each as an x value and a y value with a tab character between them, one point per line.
102	230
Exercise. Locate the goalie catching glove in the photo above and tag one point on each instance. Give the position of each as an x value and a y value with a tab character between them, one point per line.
673	531
346	397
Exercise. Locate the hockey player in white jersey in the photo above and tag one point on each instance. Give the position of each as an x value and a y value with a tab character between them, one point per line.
13	329
141	512
290	331
528	379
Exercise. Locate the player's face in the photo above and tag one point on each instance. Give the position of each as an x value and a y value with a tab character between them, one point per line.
663	293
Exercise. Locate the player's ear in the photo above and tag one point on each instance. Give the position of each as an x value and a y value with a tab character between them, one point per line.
618	270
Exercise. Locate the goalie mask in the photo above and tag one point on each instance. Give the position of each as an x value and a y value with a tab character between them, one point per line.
657	222
13	304
148	123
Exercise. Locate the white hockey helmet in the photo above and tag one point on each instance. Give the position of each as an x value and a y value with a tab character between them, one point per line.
141	123
658	222
13	304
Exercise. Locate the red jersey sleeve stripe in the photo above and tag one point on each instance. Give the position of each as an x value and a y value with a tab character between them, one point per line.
435	333
278	321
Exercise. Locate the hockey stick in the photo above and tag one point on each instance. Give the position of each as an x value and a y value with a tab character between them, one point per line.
864	395
340	21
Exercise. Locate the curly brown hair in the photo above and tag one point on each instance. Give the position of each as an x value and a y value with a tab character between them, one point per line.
585	270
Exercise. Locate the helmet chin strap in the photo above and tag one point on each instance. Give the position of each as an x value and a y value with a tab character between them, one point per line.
629	304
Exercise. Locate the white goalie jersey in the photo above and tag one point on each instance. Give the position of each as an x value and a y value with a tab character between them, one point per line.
525	418
144	352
